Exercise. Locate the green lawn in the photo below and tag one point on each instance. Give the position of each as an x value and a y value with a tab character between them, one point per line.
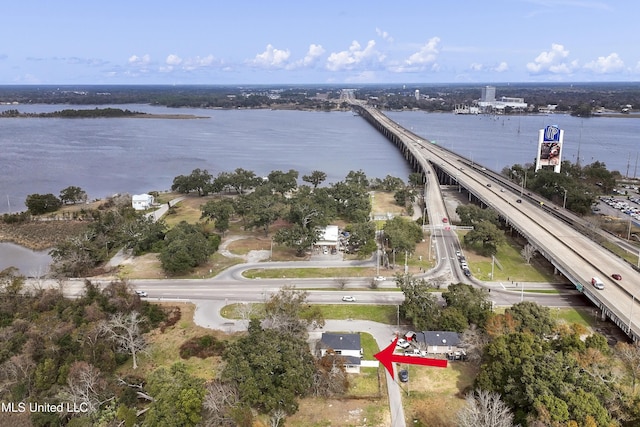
377	313
307	273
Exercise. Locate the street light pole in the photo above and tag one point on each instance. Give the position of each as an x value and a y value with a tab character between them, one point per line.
564	202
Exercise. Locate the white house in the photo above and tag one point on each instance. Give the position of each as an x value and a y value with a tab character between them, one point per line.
141	202
346	345
328	238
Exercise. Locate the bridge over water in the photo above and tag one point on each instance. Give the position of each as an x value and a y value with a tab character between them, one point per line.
568	242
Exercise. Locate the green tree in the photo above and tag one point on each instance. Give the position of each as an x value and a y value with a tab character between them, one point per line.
532	317
392	183
310	209
186	246
297	237
358	179
315	178
219	211
261	208
242	180
473	302
272	370
487	235
282	182
362	237
420	306
73	194
351	201
177	397
402	235
199	180
39	204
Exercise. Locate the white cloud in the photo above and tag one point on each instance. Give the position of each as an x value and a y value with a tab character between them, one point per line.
424	58
476	67
140	61
349	59
271	58
426	55
313	54
502	67
384	35
606	65
552	61
173	60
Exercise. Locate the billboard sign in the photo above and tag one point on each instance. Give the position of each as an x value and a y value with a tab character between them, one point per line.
550	141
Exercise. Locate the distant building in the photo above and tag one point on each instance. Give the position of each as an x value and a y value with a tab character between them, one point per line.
417	95
141	202
488	102
488	94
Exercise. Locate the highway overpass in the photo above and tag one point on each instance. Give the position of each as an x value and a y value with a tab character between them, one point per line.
562	238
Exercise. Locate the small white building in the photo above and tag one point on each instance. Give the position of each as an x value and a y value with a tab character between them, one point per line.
328	238
141	202
345	345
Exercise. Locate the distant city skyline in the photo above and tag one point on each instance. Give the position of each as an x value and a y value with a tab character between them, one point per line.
329	42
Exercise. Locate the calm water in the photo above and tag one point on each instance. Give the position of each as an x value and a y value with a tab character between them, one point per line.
107	156
497	142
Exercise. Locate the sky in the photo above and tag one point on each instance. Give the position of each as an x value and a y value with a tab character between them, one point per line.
235	42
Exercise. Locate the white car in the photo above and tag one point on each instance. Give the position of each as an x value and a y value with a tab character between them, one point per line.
379	278
141	293
348	298
402	343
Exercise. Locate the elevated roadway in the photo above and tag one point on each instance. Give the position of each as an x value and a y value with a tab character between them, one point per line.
559	236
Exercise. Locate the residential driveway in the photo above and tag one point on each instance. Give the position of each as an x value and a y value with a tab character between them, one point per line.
207	315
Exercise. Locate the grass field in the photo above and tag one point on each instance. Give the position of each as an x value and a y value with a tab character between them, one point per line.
376	313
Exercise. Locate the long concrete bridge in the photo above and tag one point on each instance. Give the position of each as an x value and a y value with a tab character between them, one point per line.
562	238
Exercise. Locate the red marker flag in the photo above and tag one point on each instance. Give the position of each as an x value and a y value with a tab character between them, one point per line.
387	357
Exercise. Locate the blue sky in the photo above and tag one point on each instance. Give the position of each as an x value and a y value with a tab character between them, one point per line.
318	42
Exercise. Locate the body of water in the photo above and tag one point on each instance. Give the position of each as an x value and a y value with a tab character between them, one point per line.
125	155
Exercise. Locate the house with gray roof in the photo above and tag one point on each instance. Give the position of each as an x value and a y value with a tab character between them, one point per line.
346	345
436	342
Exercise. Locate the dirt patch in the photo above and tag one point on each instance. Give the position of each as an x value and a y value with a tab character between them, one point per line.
342	412
40	235
383	202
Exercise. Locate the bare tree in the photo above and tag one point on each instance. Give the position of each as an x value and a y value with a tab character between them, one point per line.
484	409
630	356
341	282
85	387
276	417
330	378
220	399
124	329
474	340
246	311
528	252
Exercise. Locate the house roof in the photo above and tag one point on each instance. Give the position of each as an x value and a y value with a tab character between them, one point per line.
329	234
340	341
438	337
141	197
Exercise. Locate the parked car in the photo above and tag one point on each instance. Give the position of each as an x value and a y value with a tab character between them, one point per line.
488	185
445	220
402	343
348	298
141	293
403	375
519	201
616	276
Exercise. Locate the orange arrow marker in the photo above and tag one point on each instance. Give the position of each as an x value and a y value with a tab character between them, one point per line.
387	357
